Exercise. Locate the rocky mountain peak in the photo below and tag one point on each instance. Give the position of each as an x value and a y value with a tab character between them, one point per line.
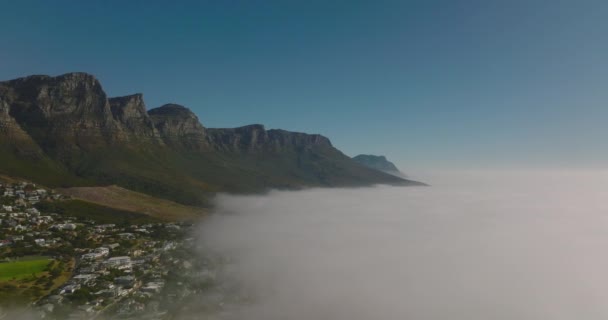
66	113
172	110
128	107
378	163
179	126
78	94
130	112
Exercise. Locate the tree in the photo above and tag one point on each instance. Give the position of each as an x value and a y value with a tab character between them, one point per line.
80	296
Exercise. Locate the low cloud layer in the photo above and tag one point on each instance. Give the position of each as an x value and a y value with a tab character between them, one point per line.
474	246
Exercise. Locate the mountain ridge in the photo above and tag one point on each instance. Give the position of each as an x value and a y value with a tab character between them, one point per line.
67	132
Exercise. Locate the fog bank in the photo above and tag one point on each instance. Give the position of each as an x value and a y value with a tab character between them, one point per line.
472	246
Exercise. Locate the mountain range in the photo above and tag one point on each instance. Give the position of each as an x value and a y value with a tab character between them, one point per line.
64	131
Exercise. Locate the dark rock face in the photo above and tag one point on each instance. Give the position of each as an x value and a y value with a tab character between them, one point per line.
13	137
130	113
67	113
70	94
379	163
255	138
179	127
246	138
8	125
282	138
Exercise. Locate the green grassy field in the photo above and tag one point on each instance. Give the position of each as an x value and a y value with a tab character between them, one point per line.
23	268
26	288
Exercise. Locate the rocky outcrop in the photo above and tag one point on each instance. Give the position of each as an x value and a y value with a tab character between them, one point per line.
63	114
246	138
13	137
378	163
130	112
179	127
9	128
71	113
283	138
52	97
255	138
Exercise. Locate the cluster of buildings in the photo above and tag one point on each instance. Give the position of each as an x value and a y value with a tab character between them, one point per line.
26	226
114	269
25	192
121	270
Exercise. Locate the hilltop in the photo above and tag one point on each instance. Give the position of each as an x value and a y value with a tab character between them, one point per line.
378	163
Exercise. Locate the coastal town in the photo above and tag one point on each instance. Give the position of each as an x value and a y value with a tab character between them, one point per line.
65	266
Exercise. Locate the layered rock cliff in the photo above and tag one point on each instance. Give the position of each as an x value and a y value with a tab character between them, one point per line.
132	118
179	127
255	138
59	113
12	137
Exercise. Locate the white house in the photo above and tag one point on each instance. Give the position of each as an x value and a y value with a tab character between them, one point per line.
103	251
119	262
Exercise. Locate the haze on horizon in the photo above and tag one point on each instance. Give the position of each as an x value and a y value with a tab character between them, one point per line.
430	84
472	247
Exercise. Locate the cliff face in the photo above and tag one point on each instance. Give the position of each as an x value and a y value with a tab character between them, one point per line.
66	129
255	138
68	112
179	127
72	111
133	120
12	137
9	128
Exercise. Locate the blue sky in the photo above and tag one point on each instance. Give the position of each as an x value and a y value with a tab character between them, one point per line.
430	84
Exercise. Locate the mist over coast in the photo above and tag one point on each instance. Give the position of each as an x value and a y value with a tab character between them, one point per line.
516	245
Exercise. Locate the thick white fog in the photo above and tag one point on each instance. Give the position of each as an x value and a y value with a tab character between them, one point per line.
473	246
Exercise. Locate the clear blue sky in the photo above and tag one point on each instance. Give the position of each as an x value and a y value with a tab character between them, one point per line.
430	84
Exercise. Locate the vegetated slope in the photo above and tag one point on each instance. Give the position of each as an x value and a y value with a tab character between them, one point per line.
65	132
123	199
113	204
97	212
